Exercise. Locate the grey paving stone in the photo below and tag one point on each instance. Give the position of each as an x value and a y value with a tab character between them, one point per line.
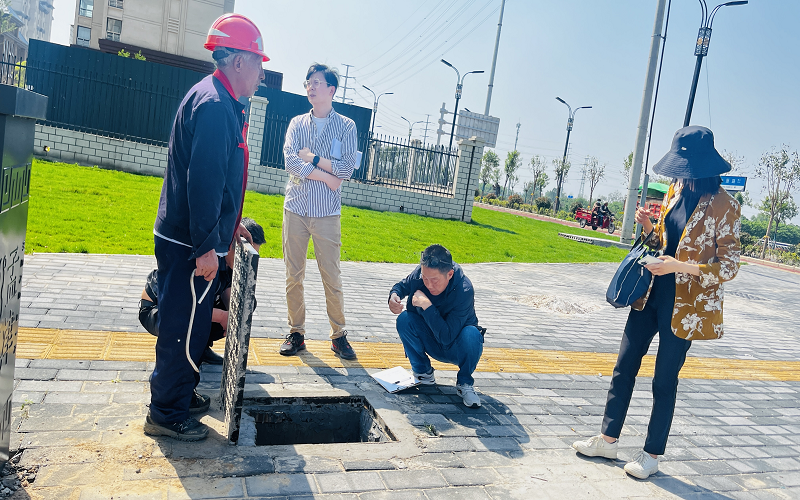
346	482
21	363
104	375
77	398
470	477
393	495
49	386
353	465
118	365
474	493
206	488
413	479
35	373
280	484
59	364
306	464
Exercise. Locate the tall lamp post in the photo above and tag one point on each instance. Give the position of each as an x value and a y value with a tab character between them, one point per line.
375	109
411	125
570	121
701	49
459	86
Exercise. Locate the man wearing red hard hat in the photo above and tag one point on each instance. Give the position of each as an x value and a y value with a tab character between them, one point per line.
199	216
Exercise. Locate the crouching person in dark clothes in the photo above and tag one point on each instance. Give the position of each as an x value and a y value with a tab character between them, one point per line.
199	215
148	307
439	320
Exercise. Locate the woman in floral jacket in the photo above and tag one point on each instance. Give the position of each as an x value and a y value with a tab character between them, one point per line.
698	239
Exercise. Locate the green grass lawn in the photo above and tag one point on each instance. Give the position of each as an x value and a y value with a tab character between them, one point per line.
90	210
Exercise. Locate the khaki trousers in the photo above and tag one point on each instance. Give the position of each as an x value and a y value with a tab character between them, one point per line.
327	235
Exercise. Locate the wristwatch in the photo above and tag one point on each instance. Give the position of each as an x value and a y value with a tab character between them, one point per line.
315	161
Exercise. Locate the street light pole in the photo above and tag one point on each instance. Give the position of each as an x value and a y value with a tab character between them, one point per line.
375	109
570	122
701	49
459	86
410	125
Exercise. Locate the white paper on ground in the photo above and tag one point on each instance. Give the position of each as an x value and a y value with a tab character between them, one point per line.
395	379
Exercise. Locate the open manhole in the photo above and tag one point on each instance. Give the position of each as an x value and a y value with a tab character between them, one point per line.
317	420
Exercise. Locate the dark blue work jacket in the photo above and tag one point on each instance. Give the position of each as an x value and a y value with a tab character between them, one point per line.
451	310
202	191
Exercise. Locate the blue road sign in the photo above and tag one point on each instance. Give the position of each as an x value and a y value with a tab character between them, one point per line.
733	183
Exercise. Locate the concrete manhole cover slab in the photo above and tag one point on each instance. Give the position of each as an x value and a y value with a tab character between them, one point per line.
555	304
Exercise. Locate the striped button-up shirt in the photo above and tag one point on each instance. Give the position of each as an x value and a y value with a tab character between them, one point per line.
305	196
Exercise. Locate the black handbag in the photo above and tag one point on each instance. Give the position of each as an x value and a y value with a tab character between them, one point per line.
632	280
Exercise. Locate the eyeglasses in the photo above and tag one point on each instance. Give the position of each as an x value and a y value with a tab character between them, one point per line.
309	84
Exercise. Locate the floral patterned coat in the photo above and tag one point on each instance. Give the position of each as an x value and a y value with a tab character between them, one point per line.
710	239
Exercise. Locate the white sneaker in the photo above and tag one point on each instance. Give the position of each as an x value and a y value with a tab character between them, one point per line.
642	466
425	378
596	446
467	393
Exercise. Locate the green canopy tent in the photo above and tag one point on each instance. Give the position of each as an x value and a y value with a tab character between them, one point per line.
655	190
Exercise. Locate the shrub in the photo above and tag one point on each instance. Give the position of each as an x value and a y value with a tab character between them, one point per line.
542	203
575	208
514	201
490	196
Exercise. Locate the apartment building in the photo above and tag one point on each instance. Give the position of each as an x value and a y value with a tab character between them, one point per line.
31	20
169	29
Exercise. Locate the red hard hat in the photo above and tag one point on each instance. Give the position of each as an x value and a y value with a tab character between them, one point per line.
234	31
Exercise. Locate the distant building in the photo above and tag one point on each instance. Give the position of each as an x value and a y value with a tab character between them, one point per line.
166	31
38	18
13	42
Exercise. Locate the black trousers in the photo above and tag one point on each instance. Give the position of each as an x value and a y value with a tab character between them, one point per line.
174	378
639	332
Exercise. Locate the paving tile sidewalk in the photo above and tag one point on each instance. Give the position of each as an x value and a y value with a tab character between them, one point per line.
101	292
78	426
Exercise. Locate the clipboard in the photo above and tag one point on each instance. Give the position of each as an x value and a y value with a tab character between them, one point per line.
395	379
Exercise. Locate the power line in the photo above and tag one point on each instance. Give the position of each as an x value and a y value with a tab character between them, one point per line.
402	72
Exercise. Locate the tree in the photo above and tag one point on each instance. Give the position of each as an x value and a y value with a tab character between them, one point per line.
513	162
540	183
489	163
6	24
780	171
786	211
595	172
562	169
537	167
735	161
627	163
528	190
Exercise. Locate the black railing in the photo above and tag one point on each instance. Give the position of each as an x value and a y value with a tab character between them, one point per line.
410	165
385	161
12	71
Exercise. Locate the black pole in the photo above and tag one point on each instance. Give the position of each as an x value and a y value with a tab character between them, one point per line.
561	174
693	91
453	128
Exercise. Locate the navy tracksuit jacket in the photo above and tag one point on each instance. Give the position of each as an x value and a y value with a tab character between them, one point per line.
199	210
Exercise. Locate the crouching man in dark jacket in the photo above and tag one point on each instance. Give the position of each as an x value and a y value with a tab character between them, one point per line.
439	320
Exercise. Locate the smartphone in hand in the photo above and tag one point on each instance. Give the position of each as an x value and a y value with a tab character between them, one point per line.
649	259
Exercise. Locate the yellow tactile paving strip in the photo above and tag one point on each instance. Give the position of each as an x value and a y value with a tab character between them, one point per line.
40	343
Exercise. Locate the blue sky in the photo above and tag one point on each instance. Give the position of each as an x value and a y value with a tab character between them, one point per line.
586	51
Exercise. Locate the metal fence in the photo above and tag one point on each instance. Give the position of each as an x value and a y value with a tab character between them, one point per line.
410	165
385	161
12	71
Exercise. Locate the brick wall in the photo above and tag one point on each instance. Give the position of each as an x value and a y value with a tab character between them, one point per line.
70	146
87	149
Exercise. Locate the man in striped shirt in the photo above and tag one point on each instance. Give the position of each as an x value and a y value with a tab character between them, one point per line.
320	152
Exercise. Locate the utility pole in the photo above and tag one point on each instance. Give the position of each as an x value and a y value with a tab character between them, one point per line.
494	60
427	121
346	77
641	134
583	178
517	138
